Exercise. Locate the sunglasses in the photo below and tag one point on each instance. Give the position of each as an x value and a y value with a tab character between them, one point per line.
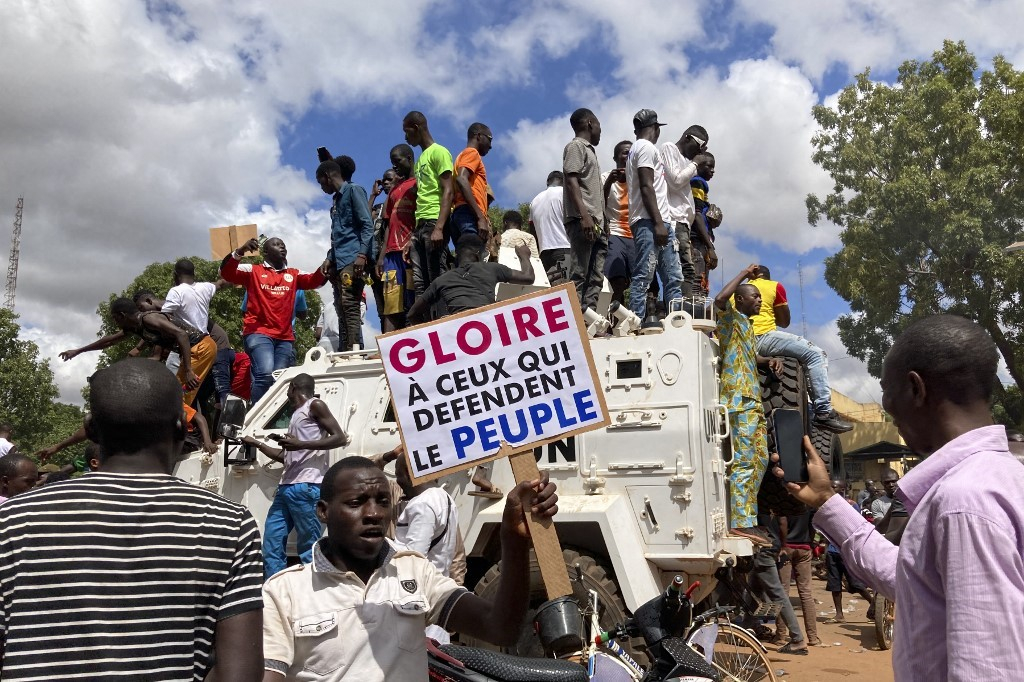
703	144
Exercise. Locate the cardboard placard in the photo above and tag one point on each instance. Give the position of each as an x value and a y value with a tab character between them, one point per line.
224	240
518	373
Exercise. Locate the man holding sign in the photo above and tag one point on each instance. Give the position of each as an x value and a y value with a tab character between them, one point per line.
359	610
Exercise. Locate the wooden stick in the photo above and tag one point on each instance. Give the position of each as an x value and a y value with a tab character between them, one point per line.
542	531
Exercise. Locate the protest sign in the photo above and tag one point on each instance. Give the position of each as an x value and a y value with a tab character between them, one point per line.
518	372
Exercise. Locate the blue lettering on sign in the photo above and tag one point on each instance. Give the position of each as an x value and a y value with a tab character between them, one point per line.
529	423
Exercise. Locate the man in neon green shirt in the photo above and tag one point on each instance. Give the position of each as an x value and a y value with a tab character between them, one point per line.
434	196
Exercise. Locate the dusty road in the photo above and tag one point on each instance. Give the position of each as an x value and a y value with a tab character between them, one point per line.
849	650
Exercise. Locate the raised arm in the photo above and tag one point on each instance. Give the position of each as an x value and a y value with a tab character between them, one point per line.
526	274
723	296
229	267
74	439
497	621
99	344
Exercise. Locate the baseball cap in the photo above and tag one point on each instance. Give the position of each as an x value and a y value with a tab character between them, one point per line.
645	118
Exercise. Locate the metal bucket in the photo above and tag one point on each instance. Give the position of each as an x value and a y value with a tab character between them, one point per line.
559	624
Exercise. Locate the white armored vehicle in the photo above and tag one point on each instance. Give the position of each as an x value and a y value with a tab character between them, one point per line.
639	501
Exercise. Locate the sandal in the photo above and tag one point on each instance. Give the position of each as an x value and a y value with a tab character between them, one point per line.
834	621
792	649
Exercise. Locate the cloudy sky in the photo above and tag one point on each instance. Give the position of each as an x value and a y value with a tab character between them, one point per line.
133	127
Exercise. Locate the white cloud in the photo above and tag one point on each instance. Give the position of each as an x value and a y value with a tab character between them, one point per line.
133	127
847	374
863	33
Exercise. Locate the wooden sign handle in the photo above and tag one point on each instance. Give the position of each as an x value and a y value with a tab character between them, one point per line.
542	531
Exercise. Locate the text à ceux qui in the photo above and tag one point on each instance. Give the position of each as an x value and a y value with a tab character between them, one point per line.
493	385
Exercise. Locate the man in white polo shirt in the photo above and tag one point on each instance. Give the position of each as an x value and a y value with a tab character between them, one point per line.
359	610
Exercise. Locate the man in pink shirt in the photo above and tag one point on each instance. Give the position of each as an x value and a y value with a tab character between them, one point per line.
958	574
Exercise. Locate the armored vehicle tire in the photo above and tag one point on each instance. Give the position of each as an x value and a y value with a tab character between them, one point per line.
789	391
595	577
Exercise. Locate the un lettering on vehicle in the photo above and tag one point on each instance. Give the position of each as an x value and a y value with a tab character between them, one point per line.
508	377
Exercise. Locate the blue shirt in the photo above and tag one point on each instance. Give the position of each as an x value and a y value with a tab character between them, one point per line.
351	226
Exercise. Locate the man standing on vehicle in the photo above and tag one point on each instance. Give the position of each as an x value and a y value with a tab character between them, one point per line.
681	159
469	215
359	610
305	452
351	244
546	212
271	289
6	446
583	207
958	574
741	393
649	217
434	196
772	343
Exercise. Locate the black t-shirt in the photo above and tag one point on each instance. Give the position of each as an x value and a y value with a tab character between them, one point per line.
468	286
799	529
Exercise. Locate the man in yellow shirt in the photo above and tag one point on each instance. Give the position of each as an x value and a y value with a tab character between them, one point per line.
771	342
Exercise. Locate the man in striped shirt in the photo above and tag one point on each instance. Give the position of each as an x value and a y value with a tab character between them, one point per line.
129	572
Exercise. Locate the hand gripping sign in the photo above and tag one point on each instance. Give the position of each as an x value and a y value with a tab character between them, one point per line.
495	382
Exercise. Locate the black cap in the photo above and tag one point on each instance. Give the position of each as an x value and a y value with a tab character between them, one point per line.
645	118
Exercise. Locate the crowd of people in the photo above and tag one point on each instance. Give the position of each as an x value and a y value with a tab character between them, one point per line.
152	578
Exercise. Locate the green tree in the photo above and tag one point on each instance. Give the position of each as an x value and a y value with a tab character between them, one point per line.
28	394
928	192
225	308
497	213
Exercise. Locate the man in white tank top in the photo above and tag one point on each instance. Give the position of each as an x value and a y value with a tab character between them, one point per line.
305	453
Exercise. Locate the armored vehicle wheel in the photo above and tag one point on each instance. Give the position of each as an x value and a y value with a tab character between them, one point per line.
595	577
789	390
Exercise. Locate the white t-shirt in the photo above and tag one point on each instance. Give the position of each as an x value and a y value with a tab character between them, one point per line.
644	154
546	216
679	170
428	516
191	302
5	446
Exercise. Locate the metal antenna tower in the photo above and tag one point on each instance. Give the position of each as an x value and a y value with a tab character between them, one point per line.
803	317
12	264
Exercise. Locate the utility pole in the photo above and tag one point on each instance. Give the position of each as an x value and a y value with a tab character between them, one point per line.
12	265
803	317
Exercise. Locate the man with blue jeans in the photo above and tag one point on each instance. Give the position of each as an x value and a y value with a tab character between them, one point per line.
351	244
656	245
774	343
271	289
305	453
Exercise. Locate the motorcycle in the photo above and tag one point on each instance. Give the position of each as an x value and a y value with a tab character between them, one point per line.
682	647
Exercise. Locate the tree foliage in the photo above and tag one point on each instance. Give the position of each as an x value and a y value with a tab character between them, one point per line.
225	308
28	395
928	192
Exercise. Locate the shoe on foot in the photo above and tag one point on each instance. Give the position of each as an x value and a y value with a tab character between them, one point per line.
793	649
830	421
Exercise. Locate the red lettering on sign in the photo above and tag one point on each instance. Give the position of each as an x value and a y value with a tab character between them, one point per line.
555	314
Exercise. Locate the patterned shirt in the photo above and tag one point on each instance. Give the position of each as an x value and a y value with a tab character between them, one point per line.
739	357
122	576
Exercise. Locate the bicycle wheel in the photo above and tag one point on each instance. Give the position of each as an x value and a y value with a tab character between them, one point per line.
885	621
740	657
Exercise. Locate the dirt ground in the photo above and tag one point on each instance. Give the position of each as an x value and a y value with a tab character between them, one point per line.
849	650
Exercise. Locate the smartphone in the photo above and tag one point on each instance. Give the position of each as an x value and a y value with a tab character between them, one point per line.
789	436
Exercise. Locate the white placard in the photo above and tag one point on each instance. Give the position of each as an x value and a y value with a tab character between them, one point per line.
518	372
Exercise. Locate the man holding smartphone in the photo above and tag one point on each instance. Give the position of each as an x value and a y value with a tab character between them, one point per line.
305	453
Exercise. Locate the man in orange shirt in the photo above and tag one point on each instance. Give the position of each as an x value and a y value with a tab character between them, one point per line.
470	208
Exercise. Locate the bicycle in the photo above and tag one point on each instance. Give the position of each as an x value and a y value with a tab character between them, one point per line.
707	647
